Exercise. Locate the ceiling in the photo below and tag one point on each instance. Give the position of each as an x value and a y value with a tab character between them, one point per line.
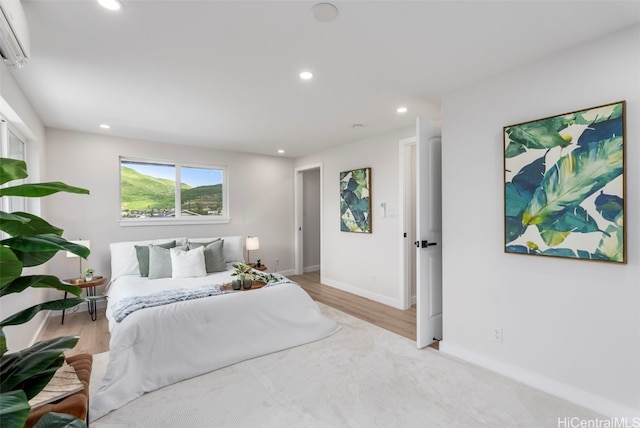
224	74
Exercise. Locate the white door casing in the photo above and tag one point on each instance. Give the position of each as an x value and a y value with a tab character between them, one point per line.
299	216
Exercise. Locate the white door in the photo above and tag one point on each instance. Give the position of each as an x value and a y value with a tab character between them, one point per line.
428	233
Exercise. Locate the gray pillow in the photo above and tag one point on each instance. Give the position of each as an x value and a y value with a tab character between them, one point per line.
142	253
160	261
213	255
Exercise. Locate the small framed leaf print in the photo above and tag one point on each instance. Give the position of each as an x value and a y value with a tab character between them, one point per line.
355	200
564	185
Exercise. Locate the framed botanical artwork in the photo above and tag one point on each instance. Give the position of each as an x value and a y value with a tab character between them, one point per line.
355	200
564	185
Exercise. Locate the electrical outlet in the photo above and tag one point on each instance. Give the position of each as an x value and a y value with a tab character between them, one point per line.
497	334
277	260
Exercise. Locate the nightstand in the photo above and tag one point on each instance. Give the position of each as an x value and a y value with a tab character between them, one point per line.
90	287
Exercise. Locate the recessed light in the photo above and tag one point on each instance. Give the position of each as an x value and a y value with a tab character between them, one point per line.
306	75
357	125
324	12
401	110
281	151
105	126
110	4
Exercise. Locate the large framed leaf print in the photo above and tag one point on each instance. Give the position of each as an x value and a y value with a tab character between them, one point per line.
355	200
564	185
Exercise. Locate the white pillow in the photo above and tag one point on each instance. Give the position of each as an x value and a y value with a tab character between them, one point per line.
187	264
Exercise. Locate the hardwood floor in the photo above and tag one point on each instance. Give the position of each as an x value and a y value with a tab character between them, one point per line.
392	319
94	336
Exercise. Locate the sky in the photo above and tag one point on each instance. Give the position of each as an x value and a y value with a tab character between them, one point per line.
193	176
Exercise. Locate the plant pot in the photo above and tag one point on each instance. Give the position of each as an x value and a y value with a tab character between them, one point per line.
247	284
236	284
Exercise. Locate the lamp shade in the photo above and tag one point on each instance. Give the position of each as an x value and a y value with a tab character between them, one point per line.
79	242
253	243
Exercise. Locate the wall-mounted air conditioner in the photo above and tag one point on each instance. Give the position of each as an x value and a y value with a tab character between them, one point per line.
14	34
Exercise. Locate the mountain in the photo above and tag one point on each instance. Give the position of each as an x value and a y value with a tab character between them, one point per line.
143	195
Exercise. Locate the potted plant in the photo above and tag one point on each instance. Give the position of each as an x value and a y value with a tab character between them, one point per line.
88	274
32	241
247	272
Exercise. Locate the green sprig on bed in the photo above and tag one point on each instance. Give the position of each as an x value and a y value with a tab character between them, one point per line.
252	274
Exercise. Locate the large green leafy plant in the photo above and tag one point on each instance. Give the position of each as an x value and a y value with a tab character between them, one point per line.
31	242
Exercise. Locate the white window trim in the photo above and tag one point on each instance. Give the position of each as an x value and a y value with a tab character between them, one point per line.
178	219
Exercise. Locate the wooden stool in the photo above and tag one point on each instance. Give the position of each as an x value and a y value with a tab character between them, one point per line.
76	404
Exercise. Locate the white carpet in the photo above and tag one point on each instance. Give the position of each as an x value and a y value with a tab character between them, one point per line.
362	376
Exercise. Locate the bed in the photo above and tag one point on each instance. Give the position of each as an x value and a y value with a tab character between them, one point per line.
163	340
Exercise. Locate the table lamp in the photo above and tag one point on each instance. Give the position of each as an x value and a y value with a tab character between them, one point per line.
71	255
252	243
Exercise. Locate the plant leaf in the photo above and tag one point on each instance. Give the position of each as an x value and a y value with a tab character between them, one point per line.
557	228
10	266
518	193
611	245
37	249
560	252
38	190
59	420
11	217
12	169
609	206
54	305
541	134
514	149
27	224
39	281
14	409
553	237
3	342
573	178
29	368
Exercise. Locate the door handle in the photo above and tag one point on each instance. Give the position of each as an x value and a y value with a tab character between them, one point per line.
425	244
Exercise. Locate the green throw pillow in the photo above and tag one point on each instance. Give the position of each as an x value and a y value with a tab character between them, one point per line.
213	255
142	253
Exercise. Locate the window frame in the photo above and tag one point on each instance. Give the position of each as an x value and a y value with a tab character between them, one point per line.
179	219
6	132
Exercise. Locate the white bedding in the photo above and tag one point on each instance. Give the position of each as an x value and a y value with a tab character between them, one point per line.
159	346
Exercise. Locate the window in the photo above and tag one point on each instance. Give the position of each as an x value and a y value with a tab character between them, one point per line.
14	148
152	191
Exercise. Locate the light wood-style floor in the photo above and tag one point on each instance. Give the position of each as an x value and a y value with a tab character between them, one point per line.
94	336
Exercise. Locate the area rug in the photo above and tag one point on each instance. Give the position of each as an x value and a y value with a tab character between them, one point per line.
362	376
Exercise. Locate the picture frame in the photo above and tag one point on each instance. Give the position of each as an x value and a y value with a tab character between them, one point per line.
355	200
564	185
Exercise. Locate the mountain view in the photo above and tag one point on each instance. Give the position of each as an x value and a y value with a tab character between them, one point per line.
146	196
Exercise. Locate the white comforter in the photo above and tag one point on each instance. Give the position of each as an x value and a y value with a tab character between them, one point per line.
159	346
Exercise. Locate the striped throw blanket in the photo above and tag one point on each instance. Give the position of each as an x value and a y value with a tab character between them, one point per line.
129	305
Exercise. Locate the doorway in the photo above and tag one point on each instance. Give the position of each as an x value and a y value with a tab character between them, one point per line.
421	222
308	218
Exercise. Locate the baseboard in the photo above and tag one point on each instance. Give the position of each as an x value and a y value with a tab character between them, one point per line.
362	293
567	392
308	269
41	327
287	272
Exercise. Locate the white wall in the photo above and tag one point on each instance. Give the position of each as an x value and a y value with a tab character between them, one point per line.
19	113
311	219
364	264
260	201
571	327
